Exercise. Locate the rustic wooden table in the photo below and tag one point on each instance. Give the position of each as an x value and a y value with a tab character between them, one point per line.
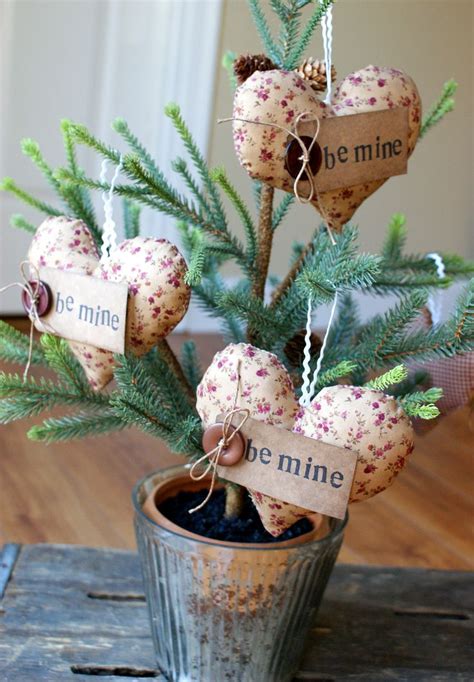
72	613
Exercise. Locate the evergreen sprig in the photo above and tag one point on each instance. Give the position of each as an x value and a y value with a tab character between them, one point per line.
295	55
131	219
228	60
394	376
282	209
191	364
19	222
9	185
443	106
421	404
20	399
330	376
219	176
15	347
80	425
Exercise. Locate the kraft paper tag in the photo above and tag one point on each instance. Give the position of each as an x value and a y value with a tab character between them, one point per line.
86	309
362	147
293	468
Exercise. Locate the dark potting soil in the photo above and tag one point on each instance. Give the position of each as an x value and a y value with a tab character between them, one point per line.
211	522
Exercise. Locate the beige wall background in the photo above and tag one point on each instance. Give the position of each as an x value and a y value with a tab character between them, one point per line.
432	40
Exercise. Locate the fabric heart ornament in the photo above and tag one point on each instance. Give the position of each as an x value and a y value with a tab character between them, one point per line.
266	389
364	420
358	419
153	268
277	98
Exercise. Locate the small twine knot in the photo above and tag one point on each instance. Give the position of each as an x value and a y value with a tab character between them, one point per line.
229	432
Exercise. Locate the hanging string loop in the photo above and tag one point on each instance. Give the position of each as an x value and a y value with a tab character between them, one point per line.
109	233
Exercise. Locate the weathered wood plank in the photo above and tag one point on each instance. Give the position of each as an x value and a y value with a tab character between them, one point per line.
74	613
8	559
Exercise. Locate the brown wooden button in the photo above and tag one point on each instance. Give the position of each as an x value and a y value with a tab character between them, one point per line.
235	449
43	296
293	162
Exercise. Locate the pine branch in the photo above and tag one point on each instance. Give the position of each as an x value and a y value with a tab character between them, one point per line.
331	375
84	206
19	222
398	281
174	113
14	346
345	325
59	357
313	22
73	197
31	149
190	364
394	376
421	404
289	279
394	243
154	402
131	219
77	197
384	330
322	282
121	127
282	209
196	264
228	60
261	24
208	294
219	176
80	134
178	209
432	395
443	106
172	362
181	167
9	185
69	146
290	27
79	425
412	383
20	399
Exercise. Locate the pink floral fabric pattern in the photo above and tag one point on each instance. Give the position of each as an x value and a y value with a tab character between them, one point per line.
351	417
366	421
153	268
278	97
267	391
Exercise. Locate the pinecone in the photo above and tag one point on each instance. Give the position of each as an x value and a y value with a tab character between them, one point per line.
294	349
314	70
247	64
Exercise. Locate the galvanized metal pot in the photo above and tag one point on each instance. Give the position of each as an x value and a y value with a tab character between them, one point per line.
228	611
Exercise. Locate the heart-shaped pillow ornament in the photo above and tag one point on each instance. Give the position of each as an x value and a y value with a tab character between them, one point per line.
154	270
276	98
359	419
366	421
266	390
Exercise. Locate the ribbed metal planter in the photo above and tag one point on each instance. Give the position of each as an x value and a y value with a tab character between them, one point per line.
229	612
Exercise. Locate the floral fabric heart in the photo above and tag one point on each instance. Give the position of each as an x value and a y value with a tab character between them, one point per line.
354	418
153	268
278	97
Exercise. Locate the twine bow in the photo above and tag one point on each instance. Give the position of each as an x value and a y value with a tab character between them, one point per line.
303	117
229	432
32	288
